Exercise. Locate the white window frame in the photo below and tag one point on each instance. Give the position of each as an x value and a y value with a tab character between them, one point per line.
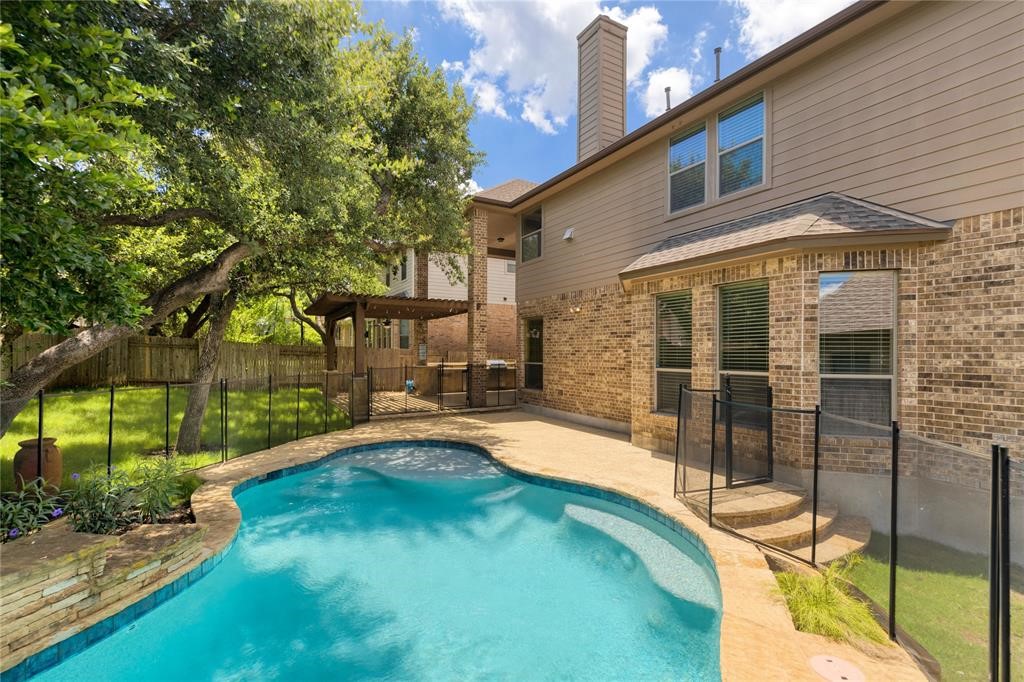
763	138
697	127
539	232
894	373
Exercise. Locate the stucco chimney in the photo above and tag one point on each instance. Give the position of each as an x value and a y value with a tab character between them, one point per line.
601	114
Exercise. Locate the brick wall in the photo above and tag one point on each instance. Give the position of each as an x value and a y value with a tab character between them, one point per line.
959	340
476	320
449	333
586	353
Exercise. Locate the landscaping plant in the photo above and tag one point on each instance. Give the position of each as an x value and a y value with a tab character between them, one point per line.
102	503
824	605
159	488
25	511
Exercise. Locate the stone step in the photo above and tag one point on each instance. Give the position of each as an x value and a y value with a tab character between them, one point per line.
847	534
794	530
753	504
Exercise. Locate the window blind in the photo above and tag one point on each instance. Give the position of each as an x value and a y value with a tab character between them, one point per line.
674	353
686	167
743	326
741	146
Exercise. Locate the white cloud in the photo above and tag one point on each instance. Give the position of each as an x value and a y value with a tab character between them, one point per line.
471	186
766	24
697	47
681	82
524	60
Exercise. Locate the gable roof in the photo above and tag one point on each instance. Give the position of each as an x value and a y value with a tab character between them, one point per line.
507	191
827	216
733	80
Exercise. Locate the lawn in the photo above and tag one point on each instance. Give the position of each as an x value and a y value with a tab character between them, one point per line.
942	601
79	421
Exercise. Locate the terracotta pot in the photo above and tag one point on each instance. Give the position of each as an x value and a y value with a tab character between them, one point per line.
26	463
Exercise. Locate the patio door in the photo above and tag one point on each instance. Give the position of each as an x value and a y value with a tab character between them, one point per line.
746	428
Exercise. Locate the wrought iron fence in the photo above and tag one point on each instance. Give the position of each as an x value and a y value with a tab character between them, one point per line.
121	426
930	523
437	388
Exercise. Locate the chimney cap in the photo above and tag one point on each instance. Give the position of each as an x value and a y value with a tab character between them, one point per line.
607	21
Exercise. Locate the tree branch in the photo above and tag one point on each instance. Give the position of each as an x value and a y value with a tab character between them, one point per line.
162	218
299	315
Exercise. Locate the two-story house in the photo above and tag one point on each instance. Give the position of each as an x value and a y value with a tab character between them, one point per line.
841	219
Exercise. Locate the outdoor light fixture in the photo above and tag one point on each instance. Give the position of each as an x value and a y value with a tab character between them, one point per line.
567	235
575	308
501	240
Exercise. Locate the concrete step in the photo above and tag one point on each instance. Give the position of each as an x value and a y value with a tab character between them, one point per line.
794	530
753	504
847	534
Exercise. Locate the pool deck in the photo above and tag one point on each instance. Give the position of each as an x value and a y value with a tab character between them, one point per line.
758	637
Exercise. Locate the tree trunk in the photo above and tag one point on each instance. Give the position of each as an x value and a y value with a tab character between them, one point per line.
195	319
25	381
221	307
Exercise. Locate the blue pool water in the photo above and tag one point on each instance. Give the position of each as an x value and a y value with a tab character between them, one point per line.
428	563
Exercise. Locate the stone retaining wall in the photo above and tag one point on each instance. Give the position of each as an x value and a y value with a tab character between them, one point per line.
57	582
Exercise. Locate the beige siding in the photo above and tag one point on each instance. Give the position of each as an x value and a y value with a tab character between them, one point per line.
924	113
501	285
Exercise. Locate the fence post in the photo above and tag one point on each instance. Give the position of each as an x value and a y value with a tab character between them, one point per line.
110	434
679	439
224	388
893	526
298	388
711	478
270	407
770	399
728	431
994	569
167	419
1004	564
814	485
327	406
440	385
39	439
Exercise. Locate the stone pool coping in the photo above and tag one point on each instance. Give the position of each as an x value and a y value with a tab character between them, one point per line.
758	640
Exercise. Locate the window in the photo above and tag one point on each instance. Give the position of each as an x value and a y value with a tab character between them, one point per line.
534	364
403	334
674	353
405	267
741	146
510	266
857	311
387	277
743	347
686	165
378	333
531	239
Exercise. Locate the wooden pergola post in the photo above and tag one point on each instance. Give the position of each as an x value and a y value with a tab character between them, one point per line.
359	339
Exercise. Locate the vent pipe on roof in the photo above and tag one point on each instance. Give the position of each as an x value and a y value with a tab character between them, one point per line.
718	64
668	97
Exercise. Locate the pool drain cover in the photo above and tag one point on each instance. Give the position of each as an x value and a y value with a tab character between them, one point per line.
836	669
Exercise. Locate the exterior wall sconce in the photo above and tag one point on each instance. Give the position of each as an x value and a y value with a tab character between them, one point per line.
575	308
567	235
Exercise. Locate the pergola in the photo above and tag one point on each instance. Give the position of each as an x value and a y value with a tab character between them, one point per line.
334	307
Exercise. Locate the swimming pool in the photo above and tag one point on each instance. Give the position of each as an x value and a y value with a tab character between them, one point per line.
425	562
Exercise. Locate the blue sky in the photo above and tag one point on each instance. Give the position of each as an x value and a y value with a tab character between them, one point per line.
517	59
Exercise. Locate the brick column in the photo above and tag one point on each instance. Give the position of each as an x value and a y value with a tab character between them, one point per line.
419	330
476	342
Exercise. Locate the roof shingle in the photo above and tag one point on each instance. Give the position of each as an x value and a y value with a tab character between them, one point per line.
827	215
507	191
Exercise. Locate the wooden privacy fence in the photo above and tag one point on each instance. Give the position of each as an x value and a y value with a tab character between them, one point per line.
156	359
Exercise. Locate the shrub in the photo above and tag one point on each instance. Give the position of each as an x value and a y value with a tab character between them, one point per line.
159	488
189	482
823	604
26	511
99	503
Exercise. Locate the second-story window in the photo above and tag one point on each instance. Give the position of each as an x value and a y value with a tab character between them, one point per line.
530	243
741	146
405	267
687	156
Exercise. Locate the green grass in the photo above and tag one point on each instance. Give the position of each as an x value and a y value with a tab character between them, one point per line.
942	601
822	604
79	420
